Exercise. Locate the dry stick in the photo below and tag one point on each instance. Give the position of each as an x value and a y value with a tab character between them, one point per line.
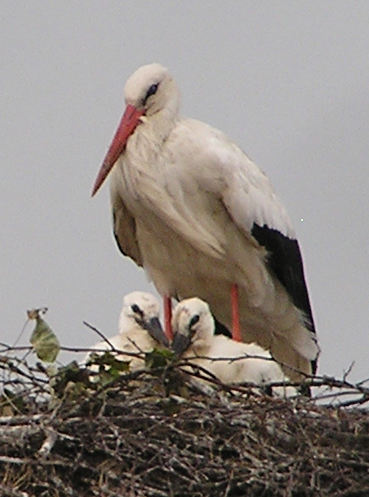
89	349
9	348
101	335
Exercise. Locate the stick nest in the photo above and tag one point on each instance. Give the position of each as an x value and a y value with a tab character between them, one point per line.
154	434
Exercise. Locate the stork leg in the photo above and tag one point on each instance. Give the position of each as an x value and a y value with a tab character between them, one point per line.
168	318
236	330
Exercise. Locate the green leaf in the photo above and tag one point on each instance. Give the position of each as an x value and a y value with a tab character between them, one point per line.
159	358
45	343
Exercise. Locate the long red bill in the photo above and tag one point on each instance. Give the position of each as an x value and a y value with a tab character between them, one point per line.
127	125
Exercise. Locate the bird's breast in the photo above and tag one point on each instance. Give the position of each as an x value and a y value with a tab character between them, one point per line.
186	237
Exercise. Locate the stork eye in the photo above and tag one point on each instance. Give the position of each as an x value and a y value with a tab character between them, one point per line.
136	309
151	91
195	319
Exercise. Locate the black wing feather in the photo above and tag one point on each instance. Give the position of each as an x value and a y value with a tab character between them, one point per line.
221	329
285	260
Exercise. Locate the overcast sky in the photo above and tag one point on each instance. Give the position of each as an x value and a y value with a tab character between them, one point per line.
287	80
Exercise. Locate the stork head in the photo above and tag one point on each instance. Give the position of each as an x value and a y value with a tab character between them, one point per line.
142	308
193	325
149	91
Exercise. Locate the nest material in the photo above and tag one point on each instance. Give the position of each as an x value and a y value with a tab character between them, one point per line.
149	434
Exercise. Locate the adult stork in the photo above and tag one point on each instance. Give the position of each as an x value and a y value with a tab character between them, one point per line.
203	220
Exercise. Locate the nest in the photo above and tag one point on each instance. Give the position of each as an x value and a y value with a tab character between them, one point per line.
152	433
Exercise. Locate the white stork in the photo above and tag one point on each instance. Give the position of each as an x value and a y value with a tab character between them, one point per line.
139	330
202	219
194	339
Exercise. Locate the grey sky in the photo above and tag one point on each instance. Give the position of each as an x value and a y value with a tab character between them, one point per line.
286	80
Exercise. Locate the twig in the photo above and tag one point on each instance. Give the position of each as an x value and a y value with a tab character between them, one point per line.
101	335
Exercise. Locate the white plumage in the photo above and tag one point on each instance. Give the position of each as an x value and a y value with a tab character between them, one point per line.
199	216
194	339
139	330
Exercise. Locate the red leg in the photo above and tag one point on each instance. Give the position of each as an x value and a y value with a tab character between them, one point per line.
168	318
236	330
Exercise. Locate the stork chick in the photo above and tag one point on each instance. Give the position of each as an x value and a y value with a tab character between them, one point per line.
139	329
194	339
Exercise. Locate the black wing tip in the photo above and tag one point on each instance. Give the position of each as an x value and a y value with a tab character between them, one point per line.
284	260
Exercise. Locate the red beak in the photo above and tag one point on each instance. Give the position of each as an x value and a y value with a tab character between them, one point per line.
127	125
